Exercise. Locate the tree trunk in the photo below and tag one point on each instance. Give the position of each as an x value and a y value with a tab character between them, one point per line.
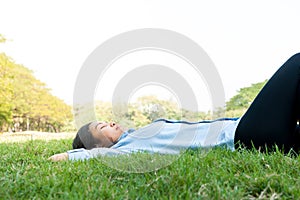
27	124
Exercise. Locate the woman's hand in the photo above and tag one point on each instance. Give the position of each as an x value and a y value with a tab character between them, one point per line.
59	157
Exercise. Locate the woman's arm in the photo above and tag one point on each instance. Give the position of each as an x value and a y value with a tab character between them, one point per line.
74	154
59	157
84	154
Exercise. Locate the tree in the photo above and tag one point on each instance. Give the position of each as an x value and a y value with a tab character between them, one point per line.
2	39
242	100
149	108
6	89
26	103
154	108
33	107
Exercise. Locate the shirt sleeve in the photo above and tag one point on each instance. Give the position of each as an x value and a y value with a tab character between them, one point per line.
84	154
79	154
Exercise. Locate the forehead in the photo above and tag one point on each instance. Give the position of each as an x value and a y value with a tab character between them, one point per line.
96	123
94	126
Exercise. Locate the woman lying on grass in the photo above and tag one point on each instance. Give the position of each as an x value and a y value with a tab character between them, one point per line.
272	119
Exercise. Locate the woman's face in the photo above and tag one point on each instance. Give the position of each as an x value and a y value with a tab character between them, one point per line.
111	130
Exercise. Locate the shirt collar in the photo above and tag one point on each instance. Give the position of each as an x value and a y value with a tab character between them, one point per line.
125	134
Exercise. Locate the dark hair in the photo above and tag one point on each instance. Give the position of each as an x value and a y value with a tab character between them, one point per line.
77	142
87	137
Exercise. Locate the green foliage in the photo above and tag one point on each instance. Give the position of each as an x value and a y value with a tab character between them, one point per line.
148	108
242	100
154	108
6	88
218	174
143	111
26	103
2	39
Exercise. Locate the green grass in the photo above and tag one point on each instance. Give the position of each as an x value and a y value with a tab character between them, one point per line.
25	173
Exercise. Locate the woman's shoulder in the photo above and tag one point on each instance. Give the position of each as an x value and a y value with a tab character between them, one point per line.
196	122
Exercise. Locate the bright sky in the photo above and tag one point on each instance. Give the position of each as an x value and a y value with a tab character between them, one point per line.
247	40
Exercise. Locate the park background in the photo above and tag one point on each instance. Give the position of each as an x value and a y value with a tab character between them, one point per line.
44	45
27	104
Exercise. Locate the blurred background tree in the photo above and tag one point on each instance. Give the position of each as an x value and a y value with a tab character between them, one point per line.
26	103
239	103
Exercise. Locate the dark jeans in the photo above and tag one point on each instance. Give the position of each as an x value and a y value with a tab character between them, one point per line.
272	117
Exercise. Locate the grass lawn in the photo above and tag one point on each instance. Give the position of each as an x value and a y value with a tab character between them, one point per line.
218	174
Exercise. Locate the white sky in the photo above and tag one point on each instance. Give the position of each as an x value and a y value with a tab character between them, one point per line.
247	40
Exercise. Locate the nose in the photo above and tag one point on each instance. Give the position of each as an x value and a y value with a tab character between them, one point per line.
112	124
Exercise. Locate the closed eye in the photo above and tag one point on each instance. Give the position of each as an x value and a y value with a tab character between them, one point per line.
101	125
